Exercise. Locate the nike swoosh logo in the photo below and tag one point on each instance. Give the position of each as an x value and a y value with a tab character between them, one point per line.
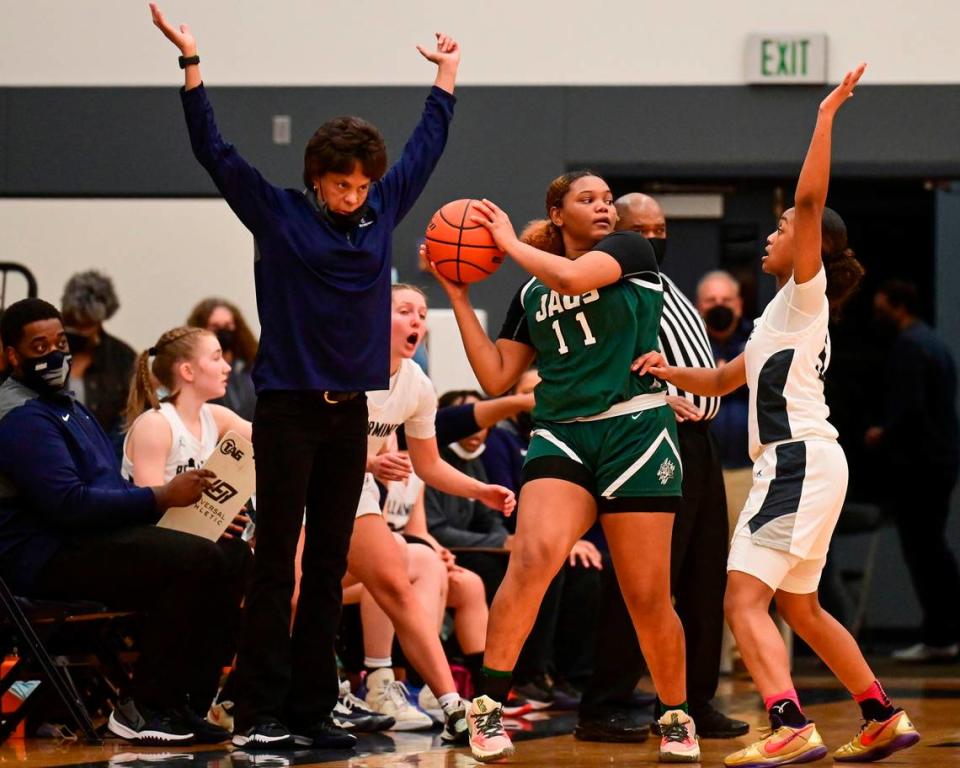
66	417
636	416
772	747
868	739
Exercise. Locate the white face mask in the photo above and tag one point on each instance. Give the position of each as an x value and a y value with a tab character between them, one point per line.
464	454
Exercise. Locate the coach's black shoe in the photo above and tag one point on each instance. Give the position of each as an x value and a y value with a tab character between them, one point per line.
616	727
203	731
713	724
151	729
324	734
268	733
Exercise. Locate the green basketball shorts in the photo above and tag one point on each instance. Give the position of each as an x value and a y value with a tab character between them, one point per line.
629	463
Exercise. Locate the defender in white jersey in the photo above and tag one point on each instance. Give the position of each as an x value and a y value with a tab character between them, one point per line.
800	475
178	433
376	559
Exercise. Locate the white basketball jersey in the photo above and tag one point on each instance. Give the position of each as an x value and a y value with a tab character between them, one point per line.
186	452
401	498
786	360
410	401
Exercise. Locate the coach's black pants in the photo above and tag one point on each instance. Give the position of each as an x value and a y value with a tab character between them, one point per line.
310	455
921	509
698	572
189	587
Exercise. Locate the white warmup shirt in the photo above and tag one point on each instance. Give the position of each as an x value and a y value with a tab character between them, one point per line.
186	452
410	401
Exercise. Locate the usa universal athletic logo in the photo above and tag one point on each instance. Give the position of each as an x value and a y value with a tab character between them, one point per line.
221	492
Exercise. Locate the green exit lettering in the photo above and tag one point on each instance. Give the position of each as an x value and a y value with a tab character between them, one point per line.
783	58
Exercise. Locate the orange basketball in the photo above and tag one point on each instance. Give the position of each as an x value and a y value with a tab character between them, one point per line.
461	249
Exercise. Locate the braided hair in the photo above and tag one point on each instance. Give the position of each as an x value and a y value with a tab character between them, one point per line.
843	270
174	346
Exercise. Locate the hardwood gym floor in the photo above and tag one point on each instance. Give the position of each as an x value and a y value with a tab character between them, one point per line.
931	696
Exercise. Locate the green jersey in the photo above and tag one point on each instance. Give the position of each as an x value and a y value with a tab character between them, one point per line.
585	344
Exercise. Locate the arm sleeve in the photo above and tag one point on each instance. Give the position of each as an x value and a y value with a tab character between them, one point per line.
406	179
422	425
36	460
453	423
633	253
515	327
438	507
247	193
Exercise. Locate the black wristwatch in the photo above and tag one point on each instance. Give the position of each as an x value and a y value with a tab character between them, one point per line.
186	61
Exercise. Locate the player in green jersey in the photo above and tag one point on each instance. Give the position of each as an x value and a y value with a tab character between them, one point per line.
604	440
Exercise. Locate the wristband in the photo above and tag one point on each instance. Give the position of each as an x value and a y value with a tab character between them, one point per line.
186	61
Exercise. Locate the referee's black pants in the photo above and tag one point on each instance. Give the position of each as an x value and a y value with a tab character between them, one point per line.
311	455
698	574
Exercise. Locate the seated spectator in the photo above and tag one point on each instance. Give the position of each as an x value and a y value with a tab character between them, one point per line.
102	365
239	350
439	582
179	432
72	528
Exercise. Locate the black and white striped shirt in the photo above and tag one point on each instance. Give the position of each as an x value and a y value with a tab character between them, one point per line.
684	341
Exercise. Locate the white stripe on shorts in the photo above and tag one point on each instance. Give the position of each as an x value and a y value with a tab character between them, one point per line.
638	464
549	437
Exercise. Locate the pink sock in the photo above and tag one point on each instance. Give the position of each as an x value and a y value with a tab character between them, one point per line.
790	694
875	691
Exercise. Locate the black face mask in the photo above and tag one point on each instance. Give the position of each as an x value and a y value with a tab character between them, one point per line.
48	374
227	339
659	248
342	222
718	318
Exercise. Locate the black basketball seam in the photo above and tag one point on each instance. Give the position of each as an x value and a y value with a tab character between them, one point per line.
475	266
451	224
465	245
460	237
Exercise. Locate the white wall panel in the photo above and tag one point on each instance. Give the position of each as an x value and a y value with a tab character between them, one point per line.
318	42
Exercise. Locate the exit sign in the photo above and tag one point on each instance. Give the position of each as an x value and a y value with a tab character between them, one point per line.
773	59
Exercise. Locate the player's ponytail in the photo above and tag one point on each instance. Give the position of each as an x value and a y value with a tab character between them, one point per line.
174	346
844	271
543	233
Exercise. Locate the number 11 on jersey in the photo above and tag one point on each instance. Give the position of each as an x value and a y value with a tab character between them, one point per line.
588	337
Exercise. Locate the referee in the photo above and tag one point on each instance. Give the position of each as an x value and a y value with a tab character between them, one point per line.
700	534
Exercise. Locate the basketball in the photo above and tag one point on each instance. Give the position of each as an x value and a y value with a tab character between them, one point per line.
461	249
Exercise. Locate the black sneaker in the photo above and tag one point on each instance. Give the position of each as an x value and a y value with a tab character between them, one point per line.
325	734
353	714
713	724
616	727
203	732
455	730
152	729
269	733
538	692
566	696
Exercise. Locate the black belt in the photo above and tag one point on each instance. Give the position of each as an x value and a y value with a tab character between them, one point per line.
339	397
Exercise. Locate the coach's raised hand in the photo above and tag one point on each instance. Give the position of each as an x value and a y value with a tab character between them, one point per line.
184	40
447	58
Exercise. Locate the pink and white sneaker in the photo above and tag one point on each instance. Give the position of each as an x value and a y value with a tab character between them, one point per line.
678	738
488	739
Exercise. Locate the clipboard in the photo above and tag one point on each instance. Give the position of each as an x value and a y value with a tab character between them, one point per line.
235	482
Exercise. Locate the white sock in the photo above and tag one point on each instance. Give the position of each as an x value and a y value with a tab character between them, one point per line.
373	663
449	702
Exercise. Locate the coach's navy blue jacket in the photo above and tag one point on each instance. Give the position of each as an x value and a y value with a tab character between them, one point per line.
323	296
58	477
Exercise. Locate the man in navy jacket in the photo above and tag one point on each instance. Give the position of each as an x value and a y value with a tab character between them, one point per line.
71	527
